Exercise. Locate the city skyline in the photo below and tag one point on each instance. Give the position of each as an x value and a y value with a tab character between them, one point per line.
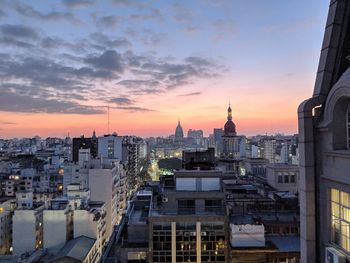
154	64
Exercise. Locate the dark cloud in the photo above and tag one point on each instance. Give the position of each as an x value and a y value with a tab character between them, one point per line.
190	94
77	3
105	42
152	38
14	102
199	62
18	31
8	41
121	101
156	73
7	123
152	14
26	10
132	109
109	21
109	60
136	83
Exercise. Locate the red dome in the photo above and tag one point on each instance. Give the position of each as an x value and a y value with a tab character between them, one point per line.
230	128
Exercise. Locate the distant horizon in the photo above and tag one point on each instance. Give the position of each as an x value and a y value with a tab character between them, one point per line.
65	63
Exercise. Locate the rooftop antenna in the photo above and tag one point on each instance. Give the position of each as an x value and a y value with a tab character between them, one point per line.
108	118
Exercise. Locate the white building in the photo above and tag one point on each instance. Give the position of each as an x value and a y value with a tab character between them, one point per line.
91	222
103	184
58	223
110	146
270	150
27	232
247	235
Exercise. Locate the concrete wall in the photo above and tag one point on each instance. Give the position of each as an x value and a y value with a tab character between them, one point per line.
55	228
24	235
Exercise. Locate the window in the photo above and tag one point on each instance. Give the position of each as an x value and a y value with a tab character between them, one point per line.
280	180
292	178
286	179
340	208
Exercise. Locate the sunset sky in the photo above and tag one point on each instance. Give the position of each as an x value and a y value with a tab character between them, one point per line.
154	63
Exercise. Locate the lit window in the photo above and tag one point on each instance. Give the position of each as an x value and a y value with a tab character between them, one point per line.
340	218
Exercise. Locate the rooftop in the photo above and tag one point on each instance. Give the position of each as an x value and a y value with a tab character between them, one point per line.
285	243
77	248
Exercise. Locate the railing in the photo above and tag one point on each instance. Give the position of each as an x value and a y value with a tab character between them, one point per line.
196	211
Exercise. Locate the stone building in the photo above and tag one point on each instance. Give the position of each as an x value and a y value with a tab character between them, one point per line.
324	133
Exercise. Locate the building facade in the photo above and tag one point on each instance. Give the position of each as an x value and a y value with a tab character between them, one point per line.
324	154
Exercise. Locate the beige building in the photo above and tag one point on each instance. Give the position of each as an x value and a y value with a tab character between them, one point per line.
283	177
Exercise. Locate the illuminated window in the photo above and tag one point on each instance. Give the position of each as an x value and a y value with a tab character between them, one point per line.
340	208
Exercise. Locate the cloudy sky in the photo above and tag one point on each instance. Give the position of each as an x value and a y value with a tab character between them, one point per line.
154	63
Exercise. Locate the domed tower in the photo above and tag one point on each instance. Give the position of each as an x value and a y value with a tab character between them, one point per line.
230	127
230	141
179	133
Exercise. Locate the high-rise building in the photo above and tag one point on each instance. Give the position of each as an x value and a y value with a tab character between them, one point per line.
110	146
324	143
179	133
217	133
84	143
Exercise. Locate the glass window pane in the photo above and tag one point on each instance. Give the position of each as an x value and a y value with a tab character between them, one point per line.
335	209
335	195
344	242
346	214
344	199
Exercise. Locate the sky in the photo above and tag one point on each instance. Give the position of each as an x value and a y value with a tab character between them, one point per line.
152	63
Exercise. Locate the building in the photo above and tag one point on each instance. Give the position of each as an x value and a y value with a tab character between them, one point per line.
217	133
27	231
189	223
283	177
6	212
57	223
80	250
195	134
110	146
230	157
270	150
324	154
104	184
179	133
84	143
203	160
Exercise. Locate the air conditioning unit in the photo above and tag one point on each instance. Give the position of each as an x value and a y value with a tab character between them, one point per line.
192	233
203	233
334	256
165	199
187	234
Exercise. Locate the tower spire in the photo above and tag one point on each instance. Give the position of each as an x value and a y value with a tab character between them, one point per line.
229	112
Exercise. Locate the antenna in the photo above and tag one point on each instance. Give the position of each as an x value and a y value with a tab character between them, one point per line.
108	118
